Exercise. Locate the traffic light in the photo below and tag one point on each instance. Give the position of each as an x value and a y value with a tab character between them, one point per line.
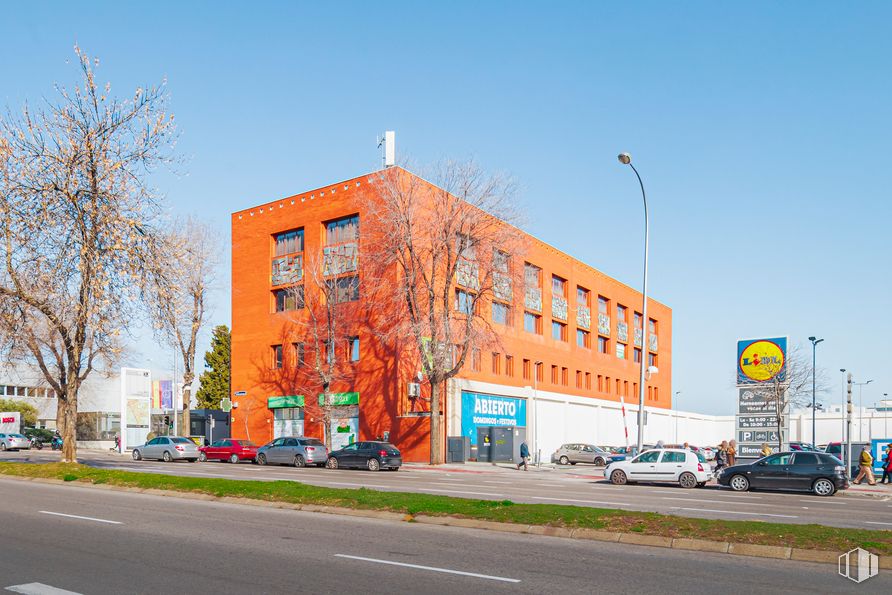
166	420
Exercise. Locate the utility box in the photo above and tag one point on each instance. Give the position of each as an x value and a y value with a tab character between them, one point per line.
458	449
499	444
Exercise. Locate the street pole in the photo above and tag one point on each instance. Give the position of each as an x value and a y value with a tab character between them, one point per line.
849	426
860	386
842	407
678	392
536	411
626	159
814	344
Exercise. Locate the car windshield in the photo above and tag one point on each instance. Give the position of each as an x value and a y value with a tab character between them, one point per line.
181	440
700	457
16	435
245	443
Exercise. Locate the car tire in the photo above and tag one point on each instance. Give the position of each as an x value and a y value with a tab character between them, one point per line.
166	456
600	462
687	480
3	444
299	461
373	464
619	478
261	459
203	457
564	461
331	463
823	487
233	458
572	462
137	456
739	483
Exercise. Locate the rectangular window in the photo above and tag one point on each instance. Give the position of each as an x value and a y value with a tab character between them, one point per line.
554	375
496	363
558	331
353	344
342	231
475	360
618	385
637	320
565	376
532	323
621	313
540	371
289	298
527	371
509	365
607	385
464	302
637	356
651	359
650	393
656	393
583	338
300	354
578	379
348	289
289	242
588	381
600	383
620	350
501	313
626	387
582	296
602	345
276	356
651	326
532	275
558	286
603	304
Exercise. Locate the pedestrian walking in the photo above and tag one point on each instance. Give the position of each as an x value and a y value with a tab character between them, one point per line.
524	456
766	450
721	456
687	446
887	465
732	453
866	464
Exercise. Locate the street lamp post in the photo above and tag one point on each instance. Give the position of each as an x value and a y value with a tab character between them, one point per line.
860	386
626	159
536	365
678	392
814	344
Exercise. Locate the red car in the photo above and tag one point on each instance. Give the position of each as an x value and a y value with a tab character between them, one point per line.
229	450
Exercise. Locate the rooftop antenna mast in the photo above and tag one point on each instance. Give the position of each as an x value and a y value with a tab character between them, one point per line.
388	141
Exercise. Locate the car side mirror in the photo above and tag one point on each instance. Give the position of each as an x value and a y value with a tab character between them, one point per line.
762	463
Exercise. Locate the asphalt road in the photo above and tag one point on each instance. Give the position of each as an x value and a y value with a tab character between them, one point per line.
573	486
90	541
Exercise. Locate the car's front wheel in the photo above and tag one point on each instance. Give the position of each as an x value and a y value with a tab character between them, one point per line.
332	463
687	480
233	458
137	456
564	461
261	459
3	444
824	487
739	483
373	464
618	478
203	457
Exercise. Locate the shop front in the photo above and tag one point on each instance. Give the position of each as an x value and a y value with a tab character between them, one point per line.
288	415
485	410
344	418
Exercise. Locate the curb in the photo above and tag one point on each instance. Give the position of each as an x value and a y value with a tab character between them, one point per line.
678	543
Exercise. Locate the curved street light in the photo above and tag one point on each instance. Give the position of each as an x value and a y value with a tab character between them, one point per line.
626	159
814	344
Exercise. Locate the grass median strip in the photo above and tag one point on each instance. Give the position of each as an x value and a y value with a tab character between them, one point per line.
815	537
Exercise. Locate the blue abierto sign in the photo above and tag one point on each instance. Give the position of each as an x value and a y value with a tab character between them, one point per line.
479	409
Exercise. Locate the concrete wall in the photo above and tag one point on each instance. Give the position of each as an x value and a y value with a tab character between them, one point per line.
866	425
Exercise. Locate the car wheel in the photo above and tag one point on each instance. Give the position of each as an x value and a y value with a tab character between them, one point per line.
3	444
739	483
233	458
687	480
299	461
166	456
332	463
203	457
261	459
564	460
373	464
599	462
824	487
191	460
618	478
137	456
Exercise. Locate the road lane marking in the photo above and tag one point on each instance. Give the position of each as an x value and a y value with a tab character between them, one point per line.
712	501
825	501
876	523
586	501
499	482
431	568
780	516
360	485
460	492
83	518
39	589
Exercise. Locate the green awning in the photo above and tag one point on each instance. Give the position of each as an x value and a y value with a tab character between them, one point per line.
341	399
282	402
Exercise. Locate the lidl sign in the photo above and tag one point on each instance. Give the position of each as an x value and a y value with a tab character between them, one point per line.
761	360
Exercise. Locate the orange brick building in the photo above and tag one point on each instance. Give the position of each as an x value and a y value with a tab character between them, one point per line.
570	344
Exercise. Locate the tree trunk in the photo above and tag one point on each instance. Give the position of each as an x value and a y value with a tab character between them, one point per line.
67	415
436	446
186	429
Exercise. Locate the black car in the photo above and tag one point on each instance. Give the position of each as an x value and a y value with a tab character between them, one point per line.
815	472
369	455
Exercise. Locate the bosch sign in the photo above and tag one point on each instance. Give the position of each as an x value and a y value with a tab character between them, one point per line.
10	422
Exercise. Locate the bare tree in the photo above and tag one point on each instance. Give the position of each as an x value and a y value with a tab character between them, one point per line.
453	253
182	273
75	211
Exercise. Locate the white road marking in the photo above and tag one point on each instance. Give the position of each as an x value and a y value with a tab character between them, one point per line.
358	485
39	589
780	516
499	482
825	501
427	489
431	568
712	501
585	501
876	523
83	518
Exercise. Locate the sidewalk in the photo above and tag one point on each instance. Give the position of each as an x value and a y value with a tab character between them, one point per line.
476	467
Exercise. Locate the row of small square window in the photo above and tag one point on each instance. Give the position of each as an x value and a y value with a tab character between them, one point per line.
339	231
299	353
288	299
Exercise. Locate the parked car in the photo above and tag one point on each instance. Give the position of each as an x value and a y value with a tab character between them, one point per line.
570	454
167	448
804	446
298	451
707	453
14	442
371	455
228	450
685	467
820	473
838	450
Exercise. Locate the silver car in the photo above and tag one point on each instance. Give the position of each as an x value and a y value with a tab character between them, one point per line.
167	448
14	442
298	451
570	454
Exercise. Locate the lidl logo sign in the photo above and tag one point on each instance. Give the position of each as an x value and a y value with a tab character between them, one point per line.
761	360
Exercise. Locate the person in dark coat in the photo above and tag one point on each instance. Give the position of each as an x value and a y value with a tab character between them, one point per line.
524	456
887	465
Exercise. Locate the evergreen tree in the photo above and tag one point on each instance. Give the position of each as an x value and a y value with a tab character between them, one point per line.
217	362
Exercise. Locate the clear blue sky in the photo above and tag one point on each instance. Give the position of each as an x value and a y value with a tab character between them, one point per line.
762	131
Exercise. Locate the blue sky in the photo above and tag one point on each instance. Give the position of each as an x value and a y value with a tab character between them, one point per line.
761	130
